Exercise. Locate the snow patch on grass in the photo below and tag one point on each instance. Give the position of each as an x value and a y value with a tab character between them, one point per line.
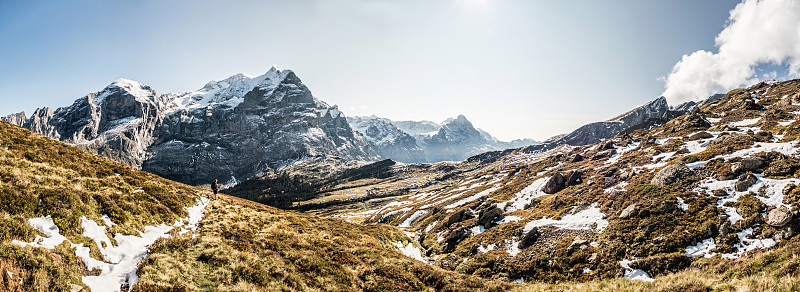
410	219
590	218
702	248
120	262
682	204
635	275
747	244
411	251
524	197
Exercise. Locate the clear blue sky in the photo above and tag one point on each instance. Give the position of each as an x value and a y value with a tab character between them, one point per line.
516	68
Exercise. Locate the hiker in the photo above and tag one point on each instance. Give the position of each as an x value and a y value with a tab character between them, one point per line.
214	188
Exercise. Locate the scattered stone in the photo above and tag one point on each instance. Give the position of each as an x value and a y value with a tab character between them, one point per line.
700	135
457	235
779	217
752	163
556	183
670	174
745	181
627	212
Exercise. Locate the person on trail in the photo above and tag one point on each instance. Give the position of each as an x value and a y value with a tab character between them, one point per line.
215	188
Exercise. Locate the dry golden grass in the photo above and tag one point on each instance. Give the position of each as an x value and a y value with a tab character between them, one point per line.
247	246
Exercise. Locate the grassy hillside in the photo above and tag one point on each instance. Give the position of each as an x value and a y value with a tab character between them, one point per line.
244	246
239	246
41	177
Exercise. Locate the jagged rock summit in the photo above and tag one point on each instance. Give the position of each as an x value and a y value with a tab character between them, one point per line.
229	130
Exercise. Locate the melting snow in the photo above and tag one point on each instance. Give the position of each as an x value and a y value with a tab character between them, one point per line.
682	204
747	244
478	229
702	248
410	219
631	274
430	226
585	219
471	198
512	246
746	122
786	123
119	262
784	148
614	158
482	249
773	192
618	187
411	251
524	197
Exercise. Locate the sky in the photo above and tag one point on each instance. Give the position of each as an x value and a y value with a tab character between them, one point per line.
515	68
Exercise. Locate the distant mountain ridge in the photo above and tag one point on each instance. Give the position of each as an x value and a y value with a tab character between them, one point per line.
425	141
651	114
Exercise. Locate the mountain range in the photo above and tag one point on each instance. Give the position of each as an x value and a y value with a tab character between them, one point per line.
425	141
241	126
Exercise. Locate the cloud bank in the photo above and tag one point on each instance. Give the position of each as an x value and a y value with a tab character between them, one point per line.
757	32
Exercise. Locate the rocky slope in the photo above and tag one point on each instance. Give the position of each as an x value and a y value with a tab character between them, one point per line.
228	130
649	115
425	141
710	188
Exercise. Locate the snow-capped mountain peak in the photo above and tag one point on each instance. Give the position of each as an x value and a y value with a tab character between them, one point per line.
230	91
139	91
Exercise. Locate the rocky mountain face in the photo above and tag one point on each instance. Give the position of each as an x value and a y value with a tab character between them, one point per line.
426	141
389	141
228	130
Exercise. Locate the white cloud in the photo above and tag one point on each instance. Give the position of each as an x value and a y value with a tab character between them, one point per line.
757	32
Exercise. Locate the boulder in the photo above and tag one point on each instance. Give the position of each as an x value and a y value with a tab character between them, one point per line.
573	178
489	216
607	145
604	154
779	217
577	243
751	105
670	174
556	183
748	164
575	158
744	182
627	212
459	216
529	238
699	135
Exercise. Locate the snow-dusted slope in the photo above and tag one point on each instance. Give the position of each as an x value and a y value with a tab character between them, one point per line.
720	181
